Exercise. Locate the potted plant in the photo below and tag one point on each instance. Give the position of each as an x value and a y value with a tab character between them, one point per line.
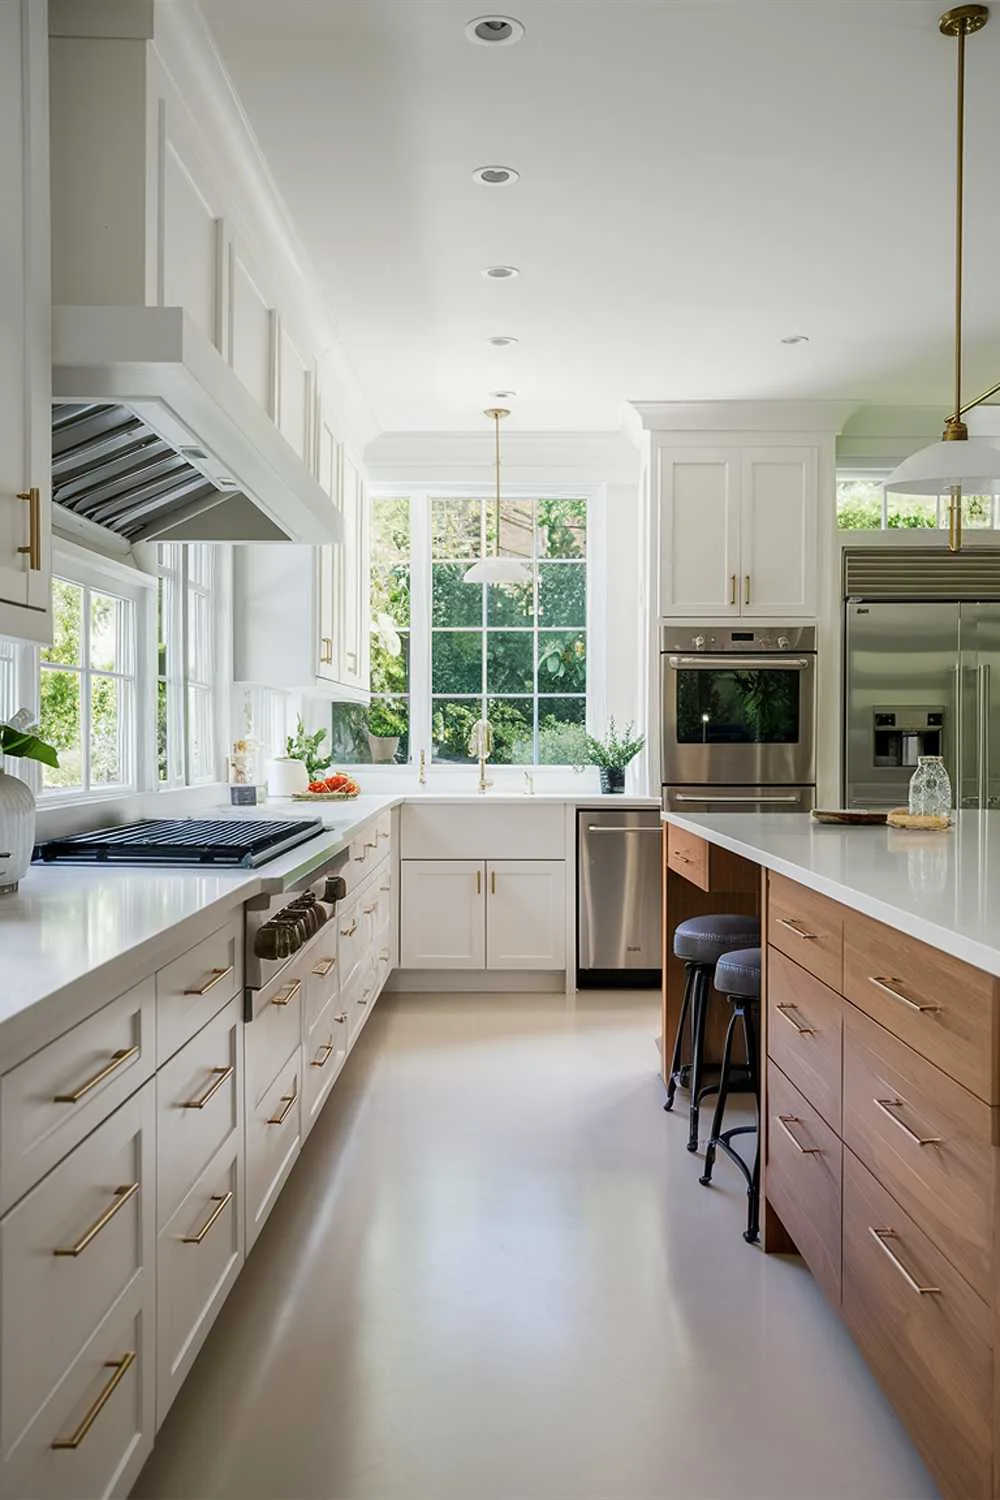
18	738
304	760
612	754
386	726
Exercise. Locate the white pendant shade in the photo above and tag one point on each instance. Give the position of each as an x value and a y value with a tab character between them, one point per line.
974	463
497	570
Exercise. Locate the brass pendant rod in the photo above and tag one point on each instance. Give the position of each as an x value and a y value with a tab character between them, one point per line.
993	390
496	418
959	211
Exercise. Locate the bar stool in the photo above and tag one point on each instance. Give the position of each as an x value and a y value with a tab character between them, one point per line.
737	976
700	942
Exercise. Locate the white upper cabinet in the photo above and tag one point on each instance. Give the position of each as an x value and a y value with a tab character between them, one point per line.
25	357
738	531
353	646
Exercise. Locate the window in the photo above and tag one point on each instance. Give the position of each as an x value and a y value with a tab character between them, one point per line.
863	505
186	652
88	690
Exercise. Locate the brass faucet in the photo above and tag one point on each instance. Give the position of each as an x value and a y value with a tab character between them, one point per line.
481	744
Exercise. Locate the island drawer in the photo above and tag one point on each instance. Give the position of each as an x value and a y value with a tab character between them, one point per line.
945	1009
324	1052
804	1033
273	1139
926	1139
808	927
804	1166
688	855
276	1028
192	988
924	1333
199	1106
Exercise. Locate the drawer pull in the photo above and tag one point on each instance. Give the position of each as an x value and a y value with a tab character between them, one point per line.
369	909
786	1122
383	954
888	1105
286	996
220	1076
685	859
382	834
222	1202
385	889
320	1062
118	1060
350	931
797	928
324	966
360	858
218	975
371	843
886	983
121	1368
342	1018
789	1013
364	997
287	1100
122	1196
881	1236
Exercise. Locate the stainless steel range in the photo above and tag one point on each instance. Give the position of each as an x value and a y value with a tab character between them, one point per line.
738	716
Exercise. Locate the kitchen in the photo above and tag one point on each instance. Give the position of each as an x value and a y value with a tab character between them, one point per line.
331	1123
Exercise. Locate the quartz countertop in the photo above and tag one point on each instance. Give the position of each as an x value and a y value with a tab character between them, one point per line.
943	888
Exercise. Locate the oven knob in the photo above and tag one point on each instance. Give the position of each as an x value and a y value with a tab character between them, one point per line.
699	642
784	643
272	941
336	888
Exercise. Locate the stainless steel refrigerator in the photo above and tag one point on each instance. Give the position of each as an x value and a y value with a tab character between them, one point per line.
922	678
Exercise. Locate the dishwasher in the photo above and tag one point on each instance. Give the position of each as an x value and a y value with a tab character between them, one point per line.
619	906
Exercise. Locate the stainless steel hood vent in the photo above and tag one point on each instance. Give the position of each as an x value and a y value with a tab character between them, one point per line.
922	573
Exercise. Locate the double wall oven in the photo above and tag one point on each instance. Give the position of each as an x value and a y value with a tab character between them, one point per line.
738	718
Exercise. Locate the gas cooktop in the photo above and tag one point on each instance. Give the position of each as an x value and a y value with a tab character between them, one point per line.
232	842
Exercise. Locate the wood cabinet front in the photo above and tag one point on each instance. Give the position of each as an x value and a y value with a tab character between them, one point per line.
804	1033
804	1164
808	927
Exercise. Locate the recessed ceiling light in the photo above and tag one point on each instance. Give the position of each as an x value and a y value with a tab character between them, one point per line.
502	395
796	338
502	340
492	31
501	273
496	176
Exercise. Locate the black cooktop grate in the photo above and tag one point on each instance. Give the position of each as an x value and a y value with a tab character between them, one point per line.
182	841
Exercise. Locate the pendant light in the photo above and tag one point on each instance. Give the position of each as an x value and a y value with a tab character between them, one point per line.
957	463
497	569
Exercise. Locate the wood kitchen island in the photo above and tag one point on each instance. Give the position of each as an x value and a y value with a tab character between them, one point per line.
880	1113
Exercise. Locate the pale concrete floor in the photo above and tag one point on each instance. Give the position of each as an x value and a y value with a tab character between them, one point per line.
493	1275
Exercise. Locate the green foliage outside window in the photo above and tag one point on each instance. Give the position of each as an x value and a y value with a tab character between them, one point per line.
859	508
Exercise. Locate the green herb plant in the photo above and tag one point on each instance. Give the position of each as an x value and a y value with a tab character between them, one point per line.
617	749
308	748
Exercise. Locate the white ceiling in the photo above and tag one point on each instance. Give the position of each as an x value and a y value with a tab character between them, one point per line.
698	179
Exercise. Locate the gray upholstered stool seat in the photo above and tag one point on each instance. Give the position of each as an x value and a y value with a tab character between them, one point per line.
738	973
704	940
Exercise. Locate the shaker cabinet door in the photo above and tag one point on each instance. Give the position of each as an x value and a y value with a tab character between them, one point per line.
699	531
443	922
526	914
778	502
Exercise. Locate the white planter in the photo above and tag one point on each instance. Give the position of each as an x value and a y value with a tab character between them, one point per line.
17	831
383	748
286	777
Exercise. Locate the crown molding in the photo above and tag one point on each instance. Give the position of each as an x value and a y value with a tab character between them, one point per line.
745	416
529	458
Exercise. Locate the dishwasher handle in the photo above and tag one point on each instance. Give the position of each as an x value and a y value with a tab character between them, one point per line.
622	828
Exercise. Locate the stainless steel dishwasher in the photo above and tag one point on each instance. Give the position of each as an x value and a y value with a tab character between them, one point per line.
618	898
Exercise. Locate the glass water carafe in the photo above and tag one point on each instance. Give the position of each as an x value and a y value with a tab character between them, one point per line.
930	788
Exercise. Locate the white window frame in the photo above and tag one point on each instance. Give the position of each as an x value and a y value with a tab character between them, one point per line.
219	597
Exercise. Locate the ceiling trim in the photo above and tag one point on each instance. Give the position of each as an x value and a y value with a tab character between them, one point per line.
745	416
533	458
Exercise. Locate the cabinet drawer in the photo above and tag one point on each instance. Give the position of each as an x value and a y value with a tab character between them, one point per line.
196	985
687	855
462	831
105	1406
273	1141
926	1139
808	927
276	1028
804	1167
69	1251
364	855
943	1008
52	1100
383	831
322	979
352	938
804	1033
323	1056
366	993
199	1100
929	1349
198	1257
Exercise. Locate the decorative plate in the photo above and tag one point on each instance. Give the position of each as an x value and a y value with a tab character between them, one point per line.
848	815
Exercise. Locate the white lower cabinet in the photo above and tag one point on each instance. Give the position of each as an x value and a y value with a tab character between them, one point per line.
526	914
273	1140
443	914
324	1052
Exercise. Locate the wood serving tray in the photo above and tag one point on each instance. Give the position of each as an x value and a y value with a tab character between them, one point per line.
901	817
848	815
325	796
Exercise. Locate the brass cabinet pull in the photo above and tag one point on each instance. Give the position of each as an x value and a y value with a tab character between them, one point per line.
350	931
369	909
881	1236
371	843
123	1195
324	966
382	834
220	1076
222	1202
786	1122
479	882
888	1105
33	550
286	996
326	1048
326	651
385	889
383	954
746	594
360	858
218	975
797	928
121	1368
118	1060
342	1018
493	882
364	996
886	983
287	1100
732	589
789	1013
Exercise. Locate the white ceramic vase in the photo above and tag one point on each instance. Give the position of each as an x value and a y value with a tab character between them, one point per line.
383	748
17	831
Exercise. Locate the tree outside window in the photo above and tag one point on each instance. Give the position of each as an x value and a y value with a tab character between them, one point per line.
862	506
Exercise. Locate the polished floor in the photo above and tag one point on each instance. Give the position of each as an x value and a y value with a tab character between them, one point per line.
493	1275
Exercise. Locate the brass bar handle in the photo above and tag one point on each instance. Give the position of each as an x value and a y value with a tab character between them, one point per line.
385	889
326	651
364	996
493	882
118	1060
33	550
383	954
789	1014
287	995
886	983
220	1076
746	595
359	859
382	834
797	928
121	1368
350	931
342	1018
218	975
287	1100
888	1105
479	882
371	843
732	589
222	1202
328	1049
786	1122
324	966
122	1196
880	1236
369	909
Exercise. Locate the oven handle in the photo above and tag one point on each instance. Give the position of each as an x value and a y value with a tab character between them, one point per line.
709	797
735	661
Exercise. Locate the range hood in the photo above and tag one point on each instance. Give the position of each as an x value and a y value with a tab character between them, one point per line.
154	438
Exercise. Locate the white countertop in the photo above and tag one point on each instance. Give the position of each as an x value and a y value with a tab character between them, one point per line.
943	888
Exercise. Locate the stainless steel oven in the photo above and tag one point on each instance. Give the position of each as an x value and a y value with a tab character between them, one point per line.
738	710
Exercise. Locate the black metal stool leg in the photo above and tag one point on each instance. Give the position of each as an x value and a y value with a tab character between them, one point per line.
700	1003
752	1231
720	1103
677	1060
